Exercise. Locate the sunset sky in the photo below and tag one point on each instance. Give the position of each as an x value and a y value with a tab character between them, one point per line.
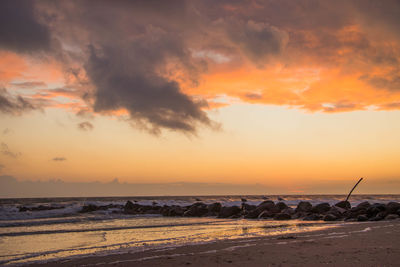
279	93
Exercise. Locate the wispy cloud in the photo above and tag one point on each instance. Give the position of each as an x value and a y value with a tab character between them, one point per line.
5	150
31	84
59	159
85	126
14	105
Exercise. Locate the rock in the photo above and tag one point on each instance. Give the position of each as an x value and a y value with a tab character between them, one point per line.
362	218
299	215
243	200
23	209
344	205
281	206
321	208
312	217
89	208
304	206
269	206
380	216
130	207
280	199
226	212
176	211
196	210
266	214
363	205
337	211
282	216
248	207
165	210
214	207
374	209
288	210
39	208
330	217
392	207
253	214
392	217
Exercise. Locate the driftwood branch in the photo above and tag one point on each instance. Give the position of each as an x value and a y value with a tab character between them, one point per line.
348	196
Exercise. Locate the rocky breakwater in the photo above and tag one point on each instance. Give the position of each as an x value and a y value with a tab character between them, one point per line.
268	209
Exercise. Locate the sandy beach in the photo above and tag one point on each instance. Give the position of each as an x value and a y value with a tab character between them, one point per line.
351	244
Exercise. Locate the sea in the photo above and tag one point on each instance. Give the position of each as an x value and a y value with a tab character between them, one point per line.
63	233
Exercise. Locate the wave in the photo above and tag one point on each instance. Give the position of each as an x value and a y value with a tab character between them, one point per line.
62	231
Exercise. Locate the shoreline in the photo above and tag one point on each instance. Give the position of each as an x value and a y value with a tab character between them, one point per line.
347	244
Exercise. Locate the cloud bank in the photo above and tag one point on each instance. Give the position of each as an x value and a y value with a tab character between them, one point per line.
162	65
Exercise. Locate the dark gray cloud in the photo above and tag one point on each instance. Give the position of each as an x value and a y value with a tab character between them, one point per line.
58	159
388	82
19	27
14	105
253	95
126	79
130	65
5	150
85	126
258	40
138	55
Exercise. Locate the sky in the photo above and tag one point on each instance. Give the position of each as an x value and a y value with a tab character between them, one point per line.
293	96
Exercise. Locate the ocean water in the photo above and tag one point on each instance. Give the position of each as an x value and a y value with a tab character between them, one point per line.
32	236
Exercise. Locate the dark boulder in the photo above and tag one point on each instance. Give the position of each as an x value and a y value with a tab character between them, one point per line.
378	217
300	214
321	208
312	217
374	209
267	205
248	207
392	217
23	209
344	205
226	212
196	210
282	216
130	207
281	206
288	210
253	214
89	208
165	210
330	217
362	218
392	207
363	205
39	208
304	206
214	207
175	211
266	214
337	211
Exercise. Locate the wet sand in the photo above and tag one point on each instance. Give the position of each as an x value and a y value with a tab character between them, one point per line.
351	244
